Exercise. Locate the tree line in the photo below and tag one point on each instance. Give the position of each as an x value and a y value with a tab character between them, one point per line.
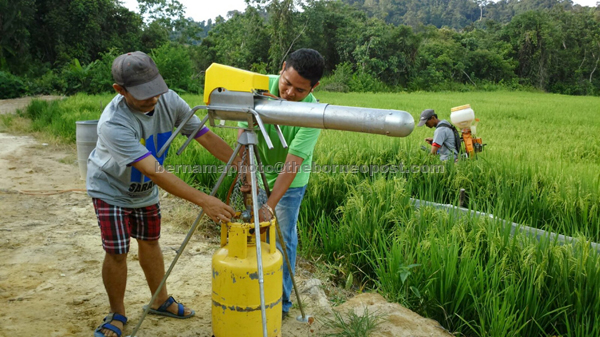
60	46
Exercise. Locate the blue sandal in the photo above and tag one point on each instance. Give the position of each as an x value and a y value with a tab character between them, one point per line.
162	310
106	325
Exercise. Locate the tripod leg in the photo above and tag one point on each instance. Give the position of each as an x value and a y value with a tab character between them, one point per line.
186	240
192	135
261	281
179	128
280	236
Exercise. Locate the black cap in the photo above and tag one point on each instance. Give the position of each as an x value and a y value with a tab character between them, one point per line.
138	73
425	116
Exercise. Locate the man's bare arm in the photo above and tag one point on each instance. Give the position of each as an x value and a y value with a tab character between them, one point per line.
283	182
213	207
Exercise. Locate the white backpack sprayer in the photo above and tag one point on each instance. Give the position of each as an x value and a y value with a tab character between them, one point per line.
463	117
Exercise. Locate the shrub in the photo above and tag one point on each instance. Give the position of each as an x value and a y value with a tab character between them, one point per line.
176	68
76	77
11	86
49	83
338	81
100	74
364	82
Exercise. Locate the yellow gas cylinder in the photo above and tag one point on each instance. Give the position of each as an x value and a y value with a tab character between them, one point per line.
236	307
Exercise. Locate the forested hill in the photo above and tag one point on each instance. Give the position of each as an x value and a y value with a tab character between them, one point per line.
455	14
58	46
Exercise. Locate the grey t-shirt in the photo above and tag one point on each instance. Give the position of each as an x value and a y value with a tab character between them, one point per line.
445	137
125	137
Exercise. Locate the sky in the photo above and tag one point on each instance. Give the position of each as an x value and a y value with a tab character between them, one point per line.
202	10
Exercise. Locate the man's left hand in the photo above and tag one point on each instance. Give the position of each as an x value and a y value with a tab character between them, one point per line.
265	213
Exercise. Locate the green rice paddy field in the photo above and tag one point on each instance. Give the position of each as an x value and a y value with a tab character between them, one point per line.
540	168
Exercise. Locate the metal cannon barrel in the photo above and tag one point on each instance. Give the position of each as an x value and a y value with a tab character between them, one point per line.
394	123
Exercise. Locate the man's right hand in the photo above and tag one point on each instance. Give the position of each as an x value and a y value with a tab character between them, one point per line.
217	210
213	207
429	140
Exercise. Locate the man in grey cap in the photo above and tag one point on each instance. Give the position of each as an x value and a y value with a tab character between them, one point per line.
123	173
444	140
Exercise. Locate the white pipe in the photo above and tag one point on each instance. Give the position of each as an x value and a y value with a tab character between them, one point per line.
530	231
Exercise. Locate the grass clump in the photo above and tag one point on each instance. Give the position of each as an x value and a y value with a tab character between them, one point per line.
351	324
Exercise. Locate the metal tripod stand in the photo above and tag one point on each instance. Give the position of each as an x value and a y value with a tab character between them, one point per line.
248	138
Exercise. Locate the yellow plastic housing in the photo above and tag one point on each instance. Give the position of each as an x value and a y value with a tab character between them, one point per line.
236	310
232	79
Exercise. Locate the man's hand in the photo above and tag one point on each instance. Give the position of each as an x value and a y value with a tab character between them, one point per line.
429	140
213	207
217	210
265	213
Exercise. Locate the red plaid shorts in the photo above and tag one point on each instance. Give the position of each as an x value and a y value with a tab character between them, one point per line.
118	224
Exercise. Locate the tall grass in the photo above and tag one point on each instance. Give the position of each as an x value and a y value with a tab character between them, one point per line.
468	273
540	168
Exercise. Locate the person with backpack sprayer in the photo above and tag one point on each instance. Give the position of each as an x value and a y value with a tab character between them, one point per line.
446	140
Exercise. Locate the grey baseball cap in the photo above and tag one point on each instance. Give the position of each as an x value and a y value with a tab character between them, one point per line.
138	73
425	115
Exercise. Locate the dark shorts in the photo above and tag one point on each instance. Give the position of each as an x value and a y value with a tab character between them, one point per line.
118	224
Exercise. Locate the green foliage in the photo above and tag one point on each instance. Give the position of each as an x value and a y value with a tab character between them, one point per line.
48	83
365	82
338	81
281	19
551	51
81	29
453	14
15	18
228	42
368	46
100	75
154	36
169	17
92	78
76	78
386	52
11	86
176	67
